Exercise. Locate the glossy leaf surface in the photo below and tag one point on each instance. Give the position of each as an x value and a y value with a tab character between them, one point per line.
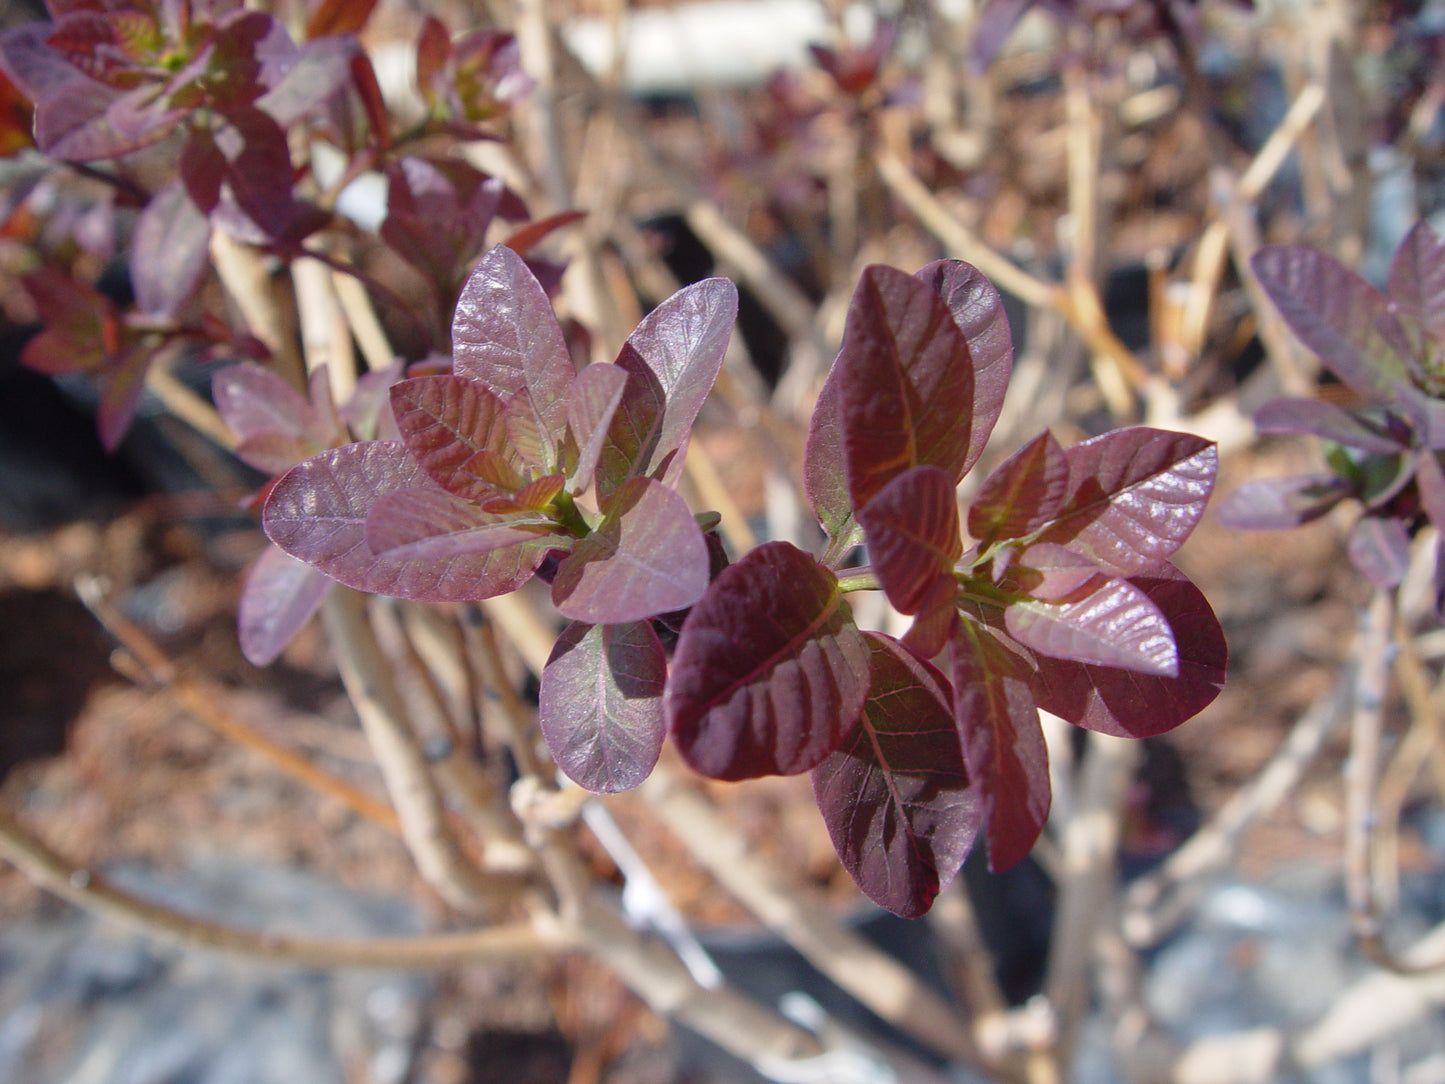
895	794
911	527
1114	624
595	396
457	431
600	704
769	671
430	523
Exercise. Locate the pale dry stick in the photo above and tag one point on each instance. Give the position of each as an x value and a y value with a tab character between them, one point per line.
1158	902
1087	880
1362	770
360	316
89	890
970	961
366	674
1294	368
871	976
325	338
537	48
531	635
436	639
702	472
1213	244
189	407
485	653
244	274
205	703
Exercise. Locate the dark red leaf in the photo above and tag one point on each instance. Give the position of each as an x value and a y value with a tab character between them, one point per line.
1003	742
124	384
979	313
770	672
523	239
600	704
895	794
317	513
338	17
911	527
279	596
506	335
825	475
457	431
1134	705
1021	494
1114	624
1134	496
646	557
905	383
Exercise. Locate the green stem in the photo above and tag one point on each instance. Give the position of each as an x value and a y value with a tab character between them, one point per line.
569	516
861	578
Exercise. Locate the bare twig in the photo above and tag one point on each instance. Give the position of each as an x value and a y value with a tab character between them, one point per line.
1376	654
243	272
90	890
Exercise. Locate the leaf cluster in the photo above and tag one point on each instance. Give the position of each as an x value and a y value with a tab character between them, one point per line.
1054	592
1383	443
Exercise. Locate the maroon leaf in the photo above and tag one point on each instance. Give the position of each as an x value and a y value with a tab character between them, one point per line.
124	386
1003	742
438	214
457	431
646	557
277	426
825	475
424	524
338	17
279	596
672	359
1335	313
600	704
169	253
1048	572
595	395
979	313
1379	546
911	527
1114	624
906	383
770	672
1021	494
1417	280
1275	503
1134	496
1133	705
317	512
506	335
895	794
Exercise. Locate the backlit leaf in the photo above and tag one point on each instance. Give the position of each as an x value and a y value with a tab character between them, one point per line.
457	431
1134	496
1126	703
769	672
911	527
906	383
825	475
505	334
646	556
595	395
1115	624
317	512
895	794
279	596
1003	741
600	704
1022	493
425	524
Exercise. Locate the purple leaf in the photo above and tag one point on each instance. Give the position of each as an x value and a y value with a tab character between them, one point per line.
906	383
1430	481
277	425
1129	704
506	335
825	476
457	431
1379	546
672	359
124	386
279	596
1113	625
1048	572
306	78
1335	313
169	253
595	396
979	313
425	524
1134	496
1021	494
317	512
1323	419
438	214
646	557
770	672
1276	503
1417	280
1003	742
600	704
256	204
895	794
911	527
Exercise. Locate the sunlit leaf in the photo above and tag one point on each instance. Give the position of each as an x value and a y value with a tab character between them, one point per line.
427	524
1114	624
277	425
278	597
911	527
595	396
600	704
645	557
457	431
1417	280
770	672
895	794
1022	493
